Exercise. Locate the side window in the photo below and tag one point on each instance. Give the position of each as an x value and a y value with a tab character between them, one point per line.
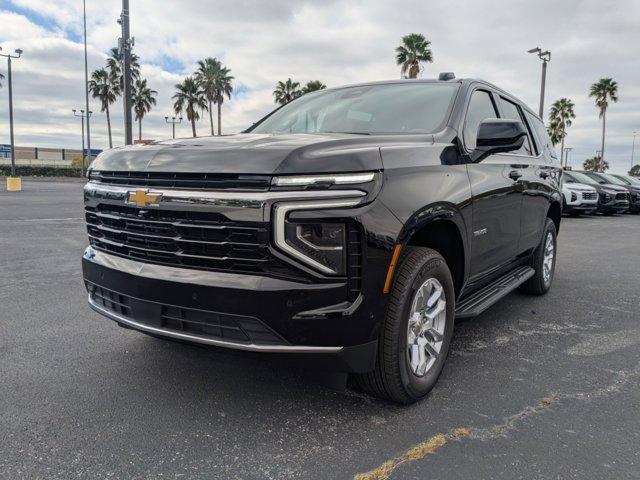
480	108
542	136
512	112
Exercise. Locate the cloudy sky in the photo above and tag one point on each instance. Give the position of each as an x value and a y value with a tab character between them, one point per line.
338	42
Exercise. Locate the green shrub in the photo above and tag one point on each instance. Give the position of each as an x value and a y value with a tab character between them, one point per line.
41	171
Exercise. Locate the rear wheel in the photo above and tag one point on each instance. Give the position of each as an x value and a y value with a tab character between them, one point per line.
417	329
543	262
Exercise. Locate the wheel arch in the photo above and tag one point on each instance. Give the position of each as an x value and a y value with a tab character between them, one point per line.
443	229
555	214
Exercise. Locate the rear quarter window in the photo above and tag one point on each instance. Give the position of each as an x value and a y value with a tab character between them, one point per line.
542	138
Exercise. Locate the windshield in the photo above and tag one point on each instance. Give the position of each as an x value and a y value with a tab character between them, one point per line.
629	180
612	179
392	108
580	178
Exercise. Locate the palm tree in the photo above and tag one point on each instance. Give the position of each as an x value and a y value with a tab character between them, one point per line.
286	91
114	66
595	164
206	76
222	87
313	86
143	98
604	90
190	97
561	116
101	87
414	49
215	81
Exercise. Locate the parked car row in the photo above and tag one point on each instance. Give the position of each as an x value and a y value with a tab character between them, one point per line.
591	192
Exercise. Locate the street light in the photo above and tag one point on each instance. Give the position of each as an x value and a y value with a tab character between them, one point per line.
173	123
567	150
86	88
633	146
14	184
546	58
82	116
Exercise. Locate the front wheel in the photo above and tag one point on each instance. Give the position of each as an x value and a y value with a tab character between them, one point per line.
417	329
543	262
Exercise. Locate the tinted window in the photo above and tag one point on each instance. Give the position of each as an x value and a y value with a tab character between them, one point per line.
542	136
596	177
480	108
511	111
578	177
393	108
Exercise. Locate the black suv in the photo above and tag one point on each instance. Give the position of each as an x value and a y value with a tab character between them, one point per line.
349	227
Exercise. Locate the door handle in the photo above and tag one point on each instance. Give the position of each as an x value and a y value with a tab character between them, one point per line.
514	175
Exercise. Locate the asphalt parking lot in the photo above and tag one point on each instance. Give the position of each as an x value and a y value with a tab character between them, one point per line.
544	387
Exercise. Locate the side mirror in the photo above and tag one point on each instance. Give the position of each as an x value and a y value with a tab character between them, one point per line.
497	135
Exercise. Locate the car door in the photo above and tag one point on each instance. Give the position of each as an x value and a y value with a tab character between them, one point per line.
496	197
535	181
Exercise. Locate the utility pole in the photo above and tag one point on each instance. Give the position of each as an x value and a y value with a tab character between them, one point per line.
567	151
82	116
173	123
633	146
125	45
14	184
546	58
86	91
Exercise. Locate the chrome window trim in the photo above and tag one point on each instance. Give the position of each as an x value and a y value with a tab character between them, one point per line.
252	347
280	215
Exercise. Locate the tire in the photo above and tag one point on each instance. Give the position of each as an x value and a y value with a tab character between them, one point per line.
394	377
537	285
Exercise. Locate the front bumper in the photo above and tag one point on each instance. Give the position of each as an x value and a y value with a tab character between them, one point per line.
614	207
243	312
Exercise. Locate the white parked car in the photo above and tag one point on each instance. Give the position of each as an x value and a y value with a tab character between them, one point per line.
579	198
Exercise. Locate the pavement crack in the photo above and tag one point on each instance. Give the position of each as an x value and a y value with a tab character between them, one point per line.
510	423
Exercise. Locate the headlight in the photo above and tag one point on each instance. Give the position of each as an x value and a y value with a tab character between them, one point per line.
606	197
321	180
323	242
321	245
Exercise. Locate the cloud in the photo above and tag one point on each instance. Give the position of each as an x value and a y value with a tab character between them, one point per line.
338	42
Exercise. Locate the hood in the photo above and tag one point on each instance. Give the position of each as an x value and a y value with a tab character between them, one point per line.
579	187
250	154
613	188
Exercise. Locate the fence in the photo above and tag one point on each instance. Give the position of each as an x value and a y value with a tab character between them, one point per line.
44	157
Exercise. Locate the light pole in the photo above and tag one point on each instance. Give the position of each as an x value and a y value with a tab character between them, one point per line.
633	146
173	123
567	150
546	58
14	184
82	117
86	89
125	43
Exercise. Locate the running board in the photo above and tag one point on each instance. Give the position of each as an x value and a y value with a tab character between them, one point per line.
479	301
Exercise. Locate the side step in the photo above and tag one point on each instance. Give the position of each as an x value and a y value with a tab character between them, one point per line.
479	301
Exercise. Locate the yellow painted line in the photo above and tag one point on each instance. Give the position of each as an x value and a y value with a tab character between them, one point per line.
416	452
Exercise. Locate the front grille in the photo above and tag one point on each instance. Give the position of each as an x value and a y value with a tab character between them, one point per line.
622	196
192	181
589	195
203	323
190	239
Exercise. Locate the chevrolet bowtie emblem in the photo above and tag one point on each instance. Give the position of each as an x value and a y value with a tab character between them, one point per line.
143	198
